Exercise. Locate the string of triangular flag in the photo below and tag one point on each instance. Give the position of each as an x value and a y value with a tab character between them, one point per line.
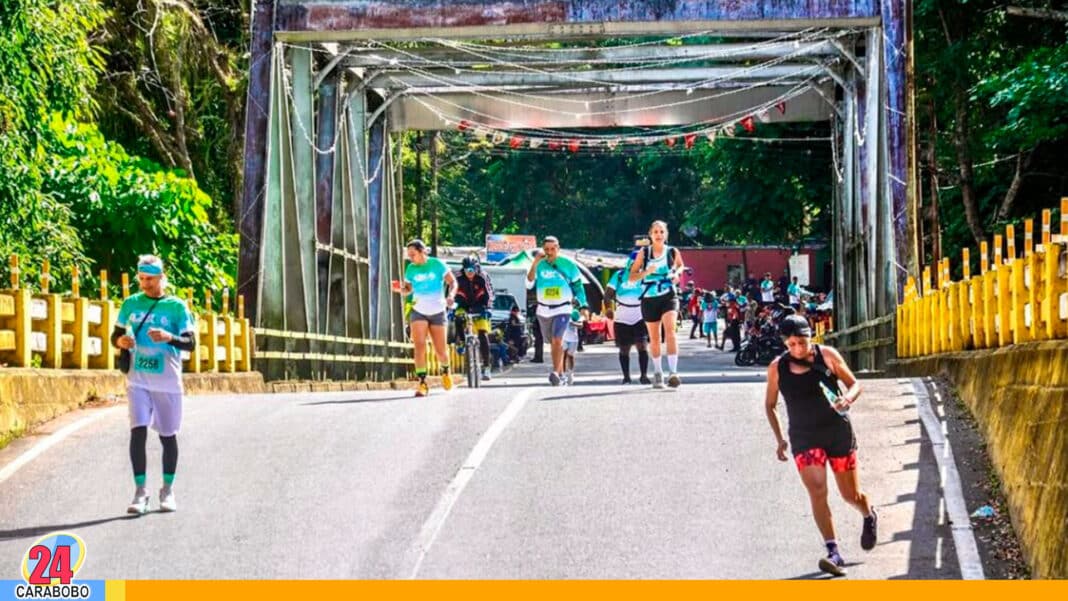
573	143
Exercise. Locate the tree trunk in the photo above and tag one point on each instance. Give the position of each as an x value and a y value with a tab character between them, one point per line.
1023	161
933	212
961	139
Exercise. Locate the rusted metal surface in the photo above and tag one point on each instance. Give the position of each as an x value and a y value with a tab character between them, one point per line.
250	223
894	48
341	15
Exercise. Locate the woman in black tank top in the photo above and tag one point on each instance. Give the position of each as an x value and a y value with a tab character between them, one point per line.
820	431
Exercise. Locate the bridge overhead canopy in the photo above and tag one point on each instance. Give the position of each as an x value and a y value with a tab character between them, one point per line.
332	79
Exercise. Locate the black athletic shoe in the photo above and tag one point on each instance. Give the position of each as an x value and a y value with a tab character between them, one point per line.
626	380
868	535
833	564
645	380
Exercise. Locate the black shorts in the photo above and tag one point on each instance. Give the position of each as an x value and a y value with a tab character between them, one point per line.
654	308
837	440
629	335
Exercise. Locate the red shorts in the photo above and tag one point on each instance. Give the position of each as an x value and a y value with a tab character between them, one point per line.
818	457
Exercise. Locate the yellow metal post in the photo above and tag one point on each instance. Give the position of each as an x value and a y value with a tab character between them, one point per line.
13	269
990	309
1029	237
1046	215
1064	219
1004	279
984	258
192	365
52	327
1010	243
244	337
1055	287
108	314
1036	272
103	284
125	286
1021	330
19	323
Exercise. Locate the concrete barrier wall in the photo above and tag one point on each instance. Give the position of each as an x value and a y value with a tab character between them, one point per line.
29	397
1019	396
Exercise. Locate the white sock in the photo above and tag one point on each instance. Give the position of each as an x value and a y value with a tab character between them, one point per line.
658	366
673	363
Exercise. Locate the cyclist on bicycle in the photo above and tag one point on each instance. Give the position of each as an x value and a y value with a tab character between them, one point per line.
474	297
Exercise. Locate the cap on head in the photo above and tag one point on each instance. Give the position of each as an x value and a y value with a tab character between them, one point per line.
795	325
417	244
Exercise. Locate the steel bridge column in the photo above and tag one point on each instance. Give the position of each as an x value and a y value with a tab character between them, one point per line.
894	53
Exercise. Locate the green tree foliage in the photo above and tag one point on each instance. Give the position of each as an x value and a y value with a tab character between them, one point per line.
47	64
720	193
991	119
175	88
123	206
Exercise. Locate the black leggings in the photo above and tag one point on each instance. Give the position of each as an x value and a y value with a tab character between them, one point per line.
643	359
138	458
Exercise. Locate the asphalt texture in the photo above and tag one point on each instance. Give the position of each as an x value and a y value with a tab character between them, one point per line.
596	480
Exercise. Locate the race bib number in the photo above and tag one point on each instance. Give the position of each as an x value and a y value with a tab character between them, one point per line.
553	293
149	364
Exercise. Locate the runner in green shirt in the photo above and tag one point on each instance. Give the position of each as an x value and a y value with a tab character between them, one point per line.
425	279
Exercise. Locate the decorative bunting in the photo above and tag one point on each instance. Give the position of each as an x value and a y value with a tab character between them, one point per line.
670	141
781	105
728	130
515	142
464	125
574	145
612	144
748	124
764	116
554	144
711	135
499	137
481	133
689	140
536	142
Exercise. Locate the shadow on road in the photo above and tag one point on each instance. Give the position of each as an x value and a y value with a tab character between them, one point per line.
42	530
351	401
928	559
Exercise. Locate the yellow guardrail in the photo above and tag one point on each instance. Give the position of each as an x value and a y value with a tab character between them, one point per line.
53	330
1014	298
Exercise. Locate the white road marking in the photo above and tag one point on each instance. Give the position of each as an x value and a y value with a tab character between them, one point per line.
971	566
433	524
52	440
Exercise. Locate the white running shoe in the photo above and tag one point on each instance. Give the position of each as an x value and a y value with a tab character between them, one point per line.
569	378
167	502
139	505
658	380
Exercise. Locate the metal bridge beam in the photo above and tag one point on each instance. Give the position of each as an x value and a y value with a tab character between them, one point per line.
447	56
404	79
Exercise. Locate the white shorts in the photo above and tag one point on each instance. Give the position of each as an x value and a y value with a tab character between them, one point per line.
570	346
160	410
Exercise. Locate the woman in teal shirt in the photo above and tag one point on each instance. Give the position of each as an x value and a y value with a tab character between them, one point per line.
425	279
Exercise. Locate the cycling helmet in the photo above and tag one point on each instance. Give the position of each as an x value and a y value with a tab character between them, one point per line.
795	325
471	262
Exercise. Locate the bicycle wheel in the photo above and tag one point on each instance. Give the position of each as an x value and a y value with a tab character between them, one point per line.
474	378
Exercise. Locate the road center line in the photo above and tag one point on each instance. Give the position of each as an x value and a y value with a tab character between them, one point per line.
433	524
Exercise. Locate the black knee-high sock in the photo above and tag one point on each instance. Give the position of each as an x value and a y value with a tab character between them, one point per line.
643	361
138	437
483	349
624	362
170	457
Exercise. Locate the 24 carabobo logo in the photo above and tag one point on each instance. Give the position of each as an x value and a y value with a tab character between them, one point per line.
49	567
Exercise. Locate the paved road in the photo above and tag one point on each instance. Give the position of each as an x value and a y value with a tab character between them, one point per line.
598	480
